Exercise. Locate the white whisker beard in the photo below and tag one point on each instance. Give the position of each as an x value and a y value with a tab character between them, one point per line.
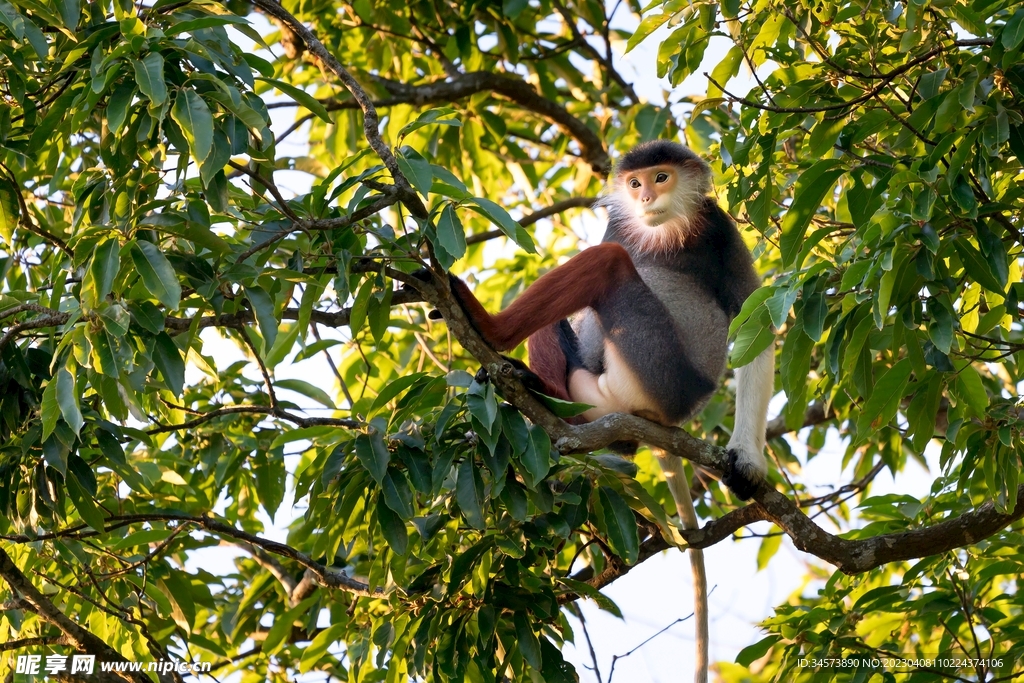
683	212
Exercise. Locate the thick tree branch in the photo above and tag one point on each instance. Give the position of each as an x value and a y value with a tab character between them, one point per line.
50	320
508	86
514	88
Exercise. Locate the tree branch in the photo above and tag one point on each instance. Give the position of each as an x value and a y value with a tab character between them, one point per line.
885	79
514	88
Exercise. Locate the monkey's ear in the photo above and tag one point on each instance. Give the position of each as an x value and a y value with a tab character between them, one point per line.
435	314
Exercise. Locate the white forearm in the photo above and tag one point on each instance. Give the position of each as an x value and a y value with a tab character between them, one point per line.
754	389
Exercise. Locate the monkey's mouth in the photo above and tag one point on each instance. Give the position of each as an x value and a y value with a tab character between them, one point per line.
654	217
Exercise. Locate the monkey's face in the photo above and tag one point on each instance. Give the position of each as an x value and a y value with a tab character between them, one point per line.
651	191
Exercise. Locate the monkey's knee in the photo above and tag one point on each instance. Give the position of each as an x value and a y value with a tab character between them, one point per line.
586	387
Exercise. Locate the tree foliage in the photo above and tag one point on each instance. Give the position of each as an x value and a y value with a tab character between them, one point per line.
438	533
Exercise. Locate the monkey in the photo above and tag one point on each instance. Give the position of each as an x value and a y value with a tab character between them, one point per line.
650	310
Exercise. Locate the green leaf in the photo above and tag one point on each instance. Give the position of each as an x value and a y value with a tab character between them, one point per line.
469	494
117	106
885	397
754	336
416	169
450	233
823	136
191	112
308	390
537	458
300	96
141	538
10	17
587	591
398	493
106	261
978	267
562	408
357	316
431	117
1013	31
811	188
379	313
373	455
726	69
67	399
769	546
968	19
284	623
168	361
111	448
482	404
50	409
750	307
149	74
393	389
86	506
9	212
529	646
706	104
618	519
156	273
317	649
189	25
752	653
499	216
263	307
70	12
647	26
923	409
969	388
147	315
392	527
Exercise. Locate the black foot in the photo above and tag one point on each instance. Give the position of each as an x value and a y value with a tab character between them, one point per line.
742	479
623	447
427	275
423	274
570	345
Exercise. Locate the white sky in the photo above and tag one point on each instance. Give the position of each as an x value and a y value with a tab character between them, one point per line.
658	592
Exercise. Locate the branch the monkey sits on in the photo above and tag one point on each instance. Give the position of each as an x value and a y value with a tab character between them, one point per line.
651	307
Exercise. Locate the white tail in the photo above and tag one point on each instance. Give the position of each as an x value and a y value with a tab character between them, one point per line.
679	486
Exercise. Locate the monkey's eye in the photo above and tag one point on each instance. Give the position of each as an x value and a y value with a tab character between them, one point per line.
662	177
634	183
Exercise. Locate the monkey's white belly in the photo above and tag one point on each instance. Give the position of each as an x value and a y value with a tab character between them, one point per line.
616	390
